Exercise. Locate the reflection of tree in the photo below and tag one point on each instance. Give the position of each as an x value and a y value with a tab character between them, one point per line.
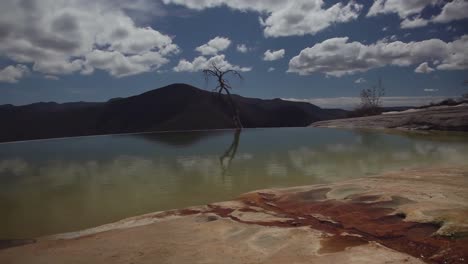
370	139
230	153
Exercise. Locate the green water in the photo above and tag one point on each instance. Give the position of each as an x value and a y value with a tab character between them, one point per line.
62	185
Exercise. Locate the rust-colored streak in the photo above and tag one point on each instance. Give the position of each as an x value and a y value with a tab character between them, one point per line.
339	243
364	218
188	211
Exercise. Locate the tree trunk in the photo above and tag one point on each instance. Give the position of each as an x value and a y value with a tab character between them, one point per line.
235	111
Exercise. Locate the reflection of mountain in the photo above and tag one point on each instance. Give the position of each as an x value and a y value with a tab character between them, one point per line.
181	138
174	107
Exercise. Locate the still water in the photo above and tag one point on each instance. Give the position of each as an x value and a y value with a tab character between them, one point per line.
62	185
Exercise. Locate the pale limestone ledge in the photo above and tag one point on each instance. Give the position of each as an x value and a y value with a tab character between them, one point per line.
452	118
203	235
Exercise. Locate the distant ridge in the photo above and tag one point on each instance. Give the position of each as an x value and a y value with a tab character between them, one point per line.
173	107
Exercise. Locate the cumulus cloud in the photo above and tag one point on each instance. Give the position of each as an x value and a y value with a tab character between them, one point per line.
360	80
117	64
214	46
410	11
242	48
455	10
285	18
271	69
424	68
338	56
63	37
403	8
273	55
11	74
200	63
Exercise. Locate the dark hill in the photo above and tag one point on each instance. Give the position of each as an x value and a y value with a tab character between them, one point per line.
173	107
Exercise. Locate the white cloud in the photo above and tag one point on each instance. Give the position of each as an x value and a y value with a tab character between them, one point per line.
352	102
360	80
271	69
11	74
424	68
200	63
388	39
214	46
285	18
61	37
273	55
403	8
410	11
338	56
56	66
51	77
120	65
242	48
455	10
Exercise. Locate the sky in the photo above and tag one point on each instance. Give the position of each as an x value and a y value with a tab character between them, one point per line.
318	51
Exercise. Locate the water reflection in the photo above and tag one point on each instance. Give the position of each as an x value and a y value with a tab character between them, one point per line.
226	159
63	185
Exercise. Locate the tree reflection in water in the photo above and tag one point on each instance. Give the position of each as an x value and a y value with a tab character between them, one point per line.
227	157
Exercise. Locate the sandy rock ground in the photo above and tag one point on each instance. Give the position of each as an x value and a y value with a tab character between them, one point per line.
409	216
453	118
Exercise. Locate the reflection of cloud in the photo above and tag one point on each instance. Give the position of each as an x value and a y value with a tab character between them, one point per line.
456	153
424	148
15	166
276	169
401	155
205	165
330	162
367	154
243	156
302	159
338	147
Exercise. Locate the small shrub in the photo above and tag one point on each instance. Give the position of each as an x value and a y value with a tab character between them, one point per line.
371	103
365	111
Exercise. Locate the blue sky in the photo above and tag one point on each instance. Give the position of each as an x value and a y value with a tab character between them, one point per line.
83	50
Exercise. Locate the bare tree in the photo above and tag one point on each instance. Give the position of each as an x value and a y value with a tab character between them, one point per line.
371	97
371	100
224	86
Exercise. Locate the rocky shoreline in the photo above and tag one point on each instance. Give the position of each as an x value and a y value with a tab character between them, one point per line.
445	118
410	216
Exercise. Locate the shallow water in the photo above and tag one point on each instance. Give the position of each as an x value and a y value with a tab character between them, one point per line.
62	185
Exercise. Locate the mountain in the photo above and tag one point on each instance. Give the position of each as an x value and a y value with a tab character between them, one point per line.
173	107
